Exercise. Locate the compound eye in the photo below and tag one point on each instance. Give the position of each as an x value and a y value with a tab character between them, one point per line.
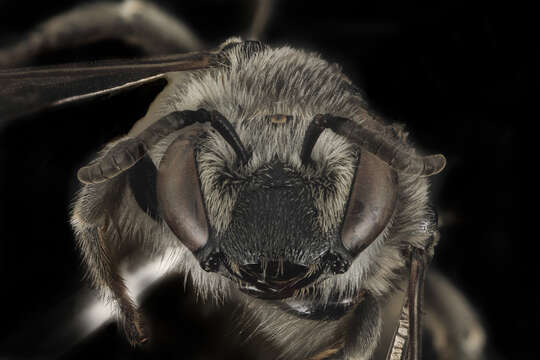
371	204
179	193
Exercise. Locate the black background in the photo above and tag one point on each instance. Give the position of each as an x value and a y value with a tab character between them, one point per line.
460	75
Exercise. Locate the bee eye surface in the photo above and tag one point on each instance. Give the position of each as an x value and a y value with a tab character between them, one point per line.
371	203
179	193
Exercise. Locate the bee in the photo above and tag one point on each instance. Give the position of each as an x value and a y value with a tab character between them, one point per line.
261	174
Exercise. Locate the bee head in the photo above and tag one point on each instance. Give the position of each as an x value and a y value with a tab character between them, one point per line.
274	242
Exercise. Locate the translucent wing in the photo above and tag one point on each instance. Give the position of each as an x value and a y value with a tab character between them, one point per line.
28	90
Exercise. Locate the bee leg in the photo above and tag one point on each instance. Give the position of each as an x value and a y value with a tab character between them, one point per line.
134	21
99	240
406	343
361	332
453	323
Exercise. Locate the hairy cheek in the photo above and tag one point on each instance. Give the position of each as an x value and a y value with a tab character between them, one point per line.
96	312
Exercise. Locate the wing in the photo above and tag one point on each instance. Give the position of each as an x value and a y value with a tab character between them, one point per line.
28	90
